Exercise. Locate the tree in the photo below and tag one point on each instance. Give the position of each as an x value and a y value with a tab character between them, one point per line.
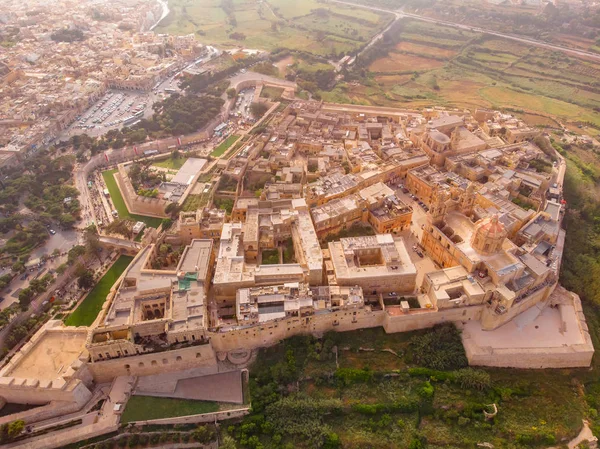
227	443
37	285
203	434
62	268
18	267
92	242
173	209
121	227
231	92
332	441
166	223
258	109
67	221
15	428
75	253
440	348
25	297
86	280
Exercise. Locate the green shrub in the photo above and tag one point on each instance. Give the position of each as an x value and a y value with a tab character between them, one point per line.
349	376
470	378
440	349
432	374
426	391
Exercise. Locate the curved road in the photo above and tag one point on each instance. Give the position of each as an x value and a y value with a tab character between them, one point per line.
525	40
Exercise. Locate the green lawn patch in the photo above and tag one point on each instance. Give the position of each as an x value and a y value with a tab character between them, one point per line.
192	203
119	202
89	308
141	408
171	163
270	257
274	93
224	146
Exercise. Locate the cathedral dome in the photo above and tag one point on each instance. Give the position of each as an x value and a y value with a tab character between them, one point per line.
489	235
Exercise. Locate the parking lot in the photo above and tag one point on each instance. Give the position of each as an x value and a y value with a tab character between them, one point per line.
113	111
242	105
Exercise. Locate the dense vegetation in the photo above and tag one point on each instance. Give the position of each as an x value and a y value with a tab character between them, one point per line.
362	390
580	270
51	200
182	114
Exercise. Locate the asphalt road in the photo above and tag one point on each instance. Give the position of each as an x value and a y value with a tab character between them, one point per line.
62	240
525	40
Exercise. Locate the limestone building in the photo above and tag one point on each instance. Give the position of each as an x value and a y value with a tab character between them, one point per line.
377	264
267	225
151	308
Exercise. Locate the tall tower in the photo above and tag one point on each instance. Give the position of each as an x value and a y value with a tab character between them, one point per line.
467	200
438	208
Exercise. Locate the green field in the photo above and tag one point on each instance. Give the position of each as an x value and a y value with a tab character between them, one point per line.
312	26
224	146
435	65
171	163
88	310
141	408
119	202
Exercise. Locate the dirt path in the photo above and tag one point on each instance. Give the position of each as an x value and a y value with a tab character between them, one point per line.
585	435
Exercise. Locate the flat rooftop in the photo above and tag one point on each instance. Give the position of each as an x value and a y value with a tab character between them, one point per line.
51	356
189	170
534	328
196	258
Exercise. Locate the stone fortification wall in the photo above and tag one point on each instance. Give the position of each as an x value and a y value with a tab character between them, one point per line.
52	410
21	391
557	356
491	320
194	419
136	204
421	320
153	363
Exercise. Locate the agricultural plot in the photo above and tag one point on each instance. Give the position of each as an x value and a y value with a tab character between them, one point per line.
400	63
307	26
437	65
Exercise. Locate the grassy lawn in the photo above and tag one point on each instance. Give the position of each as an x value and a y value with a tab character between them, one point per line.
89	308
140	408
171	163
224	146
274	93
119	202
